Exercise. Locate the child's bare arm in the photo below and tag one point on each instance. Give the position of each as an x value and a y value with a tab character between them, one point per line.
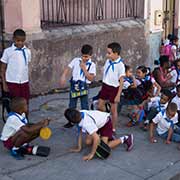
65	76
3	75
151	133
79	147
170	132
121	82
88	75
35	127
96	140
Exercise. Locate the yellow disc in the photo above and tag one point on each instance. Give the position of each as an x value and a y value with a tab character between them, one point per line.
45	133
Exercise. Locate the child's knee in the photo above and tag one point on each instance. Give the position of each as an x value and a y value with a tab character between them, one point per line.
88	142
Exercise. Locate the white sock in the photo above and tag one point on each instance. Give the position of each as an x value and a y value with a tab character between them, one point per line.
15	148
123	138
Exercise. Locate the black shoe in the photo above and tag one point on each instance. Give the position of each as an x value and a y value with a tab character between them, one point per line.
68	125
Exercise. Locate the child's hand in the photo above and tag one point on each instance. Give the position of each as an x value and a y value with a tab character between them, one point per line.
83	65
74	150
153	140
117	99
5	88
45	122
88	157
62	82
168	142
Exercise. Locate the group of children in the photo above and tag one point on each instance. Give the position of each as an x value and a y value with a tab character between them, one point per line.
150	99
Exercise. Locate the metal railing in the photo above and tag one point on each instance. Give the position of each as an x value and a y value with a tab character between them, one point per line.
76	12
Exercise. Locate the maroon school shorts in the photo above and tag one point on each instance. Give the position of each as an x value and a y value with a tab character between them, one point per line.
107	130
19	90
108	92
8	143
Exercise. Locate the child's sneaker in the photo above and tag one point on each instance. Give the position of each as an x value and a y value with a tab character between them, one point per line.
17	154
129	142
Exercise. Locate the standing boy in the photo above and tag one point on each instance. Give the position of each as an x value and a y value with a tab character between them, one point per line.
83	73
114	71
14	67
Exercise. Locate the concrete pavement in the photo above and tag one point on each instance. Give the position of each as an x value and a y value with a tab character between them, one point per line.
145	162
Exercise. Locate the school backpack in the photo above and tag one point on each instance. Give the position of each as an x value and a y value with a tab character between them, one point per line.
166	50
103	150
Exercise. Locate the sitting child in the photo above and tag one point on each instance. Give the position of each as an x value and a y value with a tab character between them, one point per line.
156	105
97	125
176	100
16	131
165	121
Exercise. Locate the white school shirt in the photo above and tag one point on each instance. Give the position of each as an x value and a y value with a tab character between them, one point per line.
162	124
155	102
76	69
93	120
176	100
17	67
112	77
12	125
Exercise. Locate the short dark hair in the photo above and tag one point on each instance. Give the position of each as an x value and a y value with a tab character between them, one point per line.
72	115
163	60
17	104
127	67
116	47
172	107
143	69
167	93
87	49
19	32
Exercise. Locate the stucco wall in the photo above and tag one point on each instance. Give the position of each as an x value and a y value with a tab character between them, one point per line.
52	50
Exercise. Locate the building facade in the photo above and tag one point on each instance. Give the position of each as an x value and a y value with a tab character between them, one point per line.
58	28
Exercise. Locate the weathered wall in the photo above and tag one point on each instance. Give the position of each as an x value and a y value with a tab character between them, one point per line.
52	50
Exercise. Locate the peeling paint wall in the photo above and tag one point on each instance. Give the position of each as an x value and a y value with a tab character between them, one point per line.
52	50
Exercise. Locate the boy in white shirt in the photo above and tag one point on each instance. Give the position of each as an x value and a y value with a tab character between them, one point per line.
165	125
14	67
96	125
83	73
16	131
113	77
155	105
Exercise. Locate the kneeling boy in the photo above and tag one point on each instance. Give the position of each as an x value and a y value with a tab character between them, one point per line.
97	125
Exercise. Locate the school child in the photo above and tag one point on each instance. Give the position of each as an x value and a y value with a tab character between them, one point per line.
175	72
16	132
155	105
174	49
129	82
114	71
83	73
97	125
176	100
14	67
143	75
162	75
165	121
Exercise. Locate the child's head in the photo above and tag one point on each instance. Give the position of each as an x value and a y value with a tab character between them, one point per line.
164	62
72	115
113	51
19	37
178	90
165	96
128	70
141	72
19	105
177	64
86	52
171	110
175	40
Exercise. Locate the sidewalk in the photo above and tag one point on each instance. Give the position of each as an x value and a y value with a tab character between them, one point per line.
145	162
